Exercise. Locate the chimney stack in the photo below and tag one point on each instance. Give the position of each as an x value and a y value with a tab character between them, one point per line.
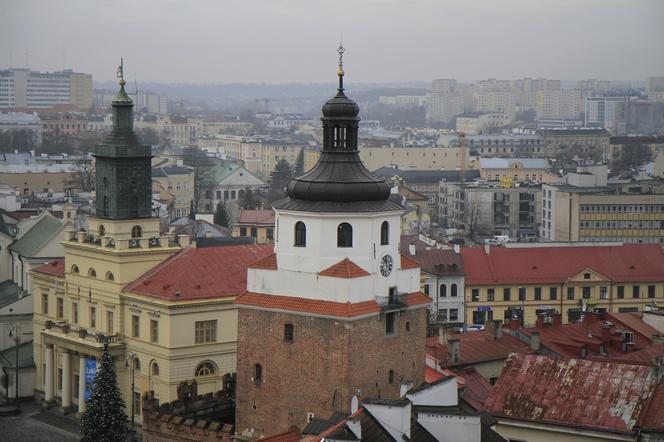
444	333
454	349
487	249
411	249
606	333
457	248
557	319
535	340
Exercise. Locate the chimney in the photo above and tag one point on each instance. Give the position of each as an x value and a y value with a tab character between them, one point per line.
498	328
658	368
557	319
354	403
411	249
444	332
606	332
490	328
487	249
539	322
454	349
515	323
535	340
457	248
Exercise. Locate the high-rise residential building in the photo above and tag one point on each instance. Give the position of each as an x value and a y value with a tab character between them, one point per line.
325	315
24	88
606	112
444	102
495	101
561	103
654	84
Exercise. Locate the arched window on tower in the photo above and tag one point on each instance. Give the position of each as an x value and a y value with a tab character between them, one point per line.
443	291
109	276
155	369
136	232
345	235
384	233
300	234
74	269
105	208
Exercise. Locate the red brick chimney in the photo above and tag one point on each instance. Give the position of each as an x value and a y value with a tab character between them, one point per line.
539	323
557	319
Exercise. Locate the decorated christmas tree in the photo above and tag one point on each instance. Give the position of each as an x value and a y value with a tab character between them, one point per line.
105	419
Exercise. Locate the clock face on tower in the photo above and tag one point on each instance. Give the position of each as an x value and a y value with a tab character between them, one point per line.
386	265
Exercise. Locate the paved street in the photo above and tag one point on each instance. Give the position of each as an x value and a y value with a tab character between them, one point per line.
23	428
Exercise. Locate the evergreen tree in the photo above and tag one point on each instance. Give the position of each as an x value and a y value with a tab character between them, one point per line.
279	178
105	419
221	217
299	164
249	200
192	210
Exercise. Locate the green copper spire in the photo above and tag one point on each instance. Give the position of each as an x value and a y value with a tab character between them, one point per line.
123	169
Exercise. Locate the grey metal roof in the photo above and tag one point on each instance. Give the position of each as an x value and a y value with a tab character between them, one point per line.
335	207
507	163
426	176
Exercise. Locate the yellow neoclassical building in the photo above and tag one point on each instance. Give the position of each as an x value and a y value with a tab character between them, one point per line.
522	281
165	307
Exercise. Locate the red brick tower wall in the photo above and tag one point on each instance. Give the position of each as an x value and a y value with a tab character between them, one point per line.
324	365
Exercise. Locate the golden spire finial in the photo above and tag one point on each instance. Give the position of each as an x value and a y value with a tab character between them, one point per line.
119	73
340	51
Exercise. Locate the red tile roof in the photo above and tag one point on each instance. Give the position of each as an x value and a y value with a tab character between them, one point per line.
208	272
408	263
476	347
442	262
313	306
644	356
344	269
567	340
292	435
634	322
267	263
415	298
555	265
431	375
572	392
476	388
56	268
256	217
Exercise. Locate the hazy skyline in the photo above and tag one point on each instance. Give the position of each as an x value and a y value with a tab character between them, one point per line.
207	41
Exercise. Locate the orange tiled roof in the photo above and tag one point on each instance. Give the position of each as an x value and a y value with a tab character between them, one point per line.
56	268
344	269
256	217
267	263
292	435
415	298
408	263
203	273
313	306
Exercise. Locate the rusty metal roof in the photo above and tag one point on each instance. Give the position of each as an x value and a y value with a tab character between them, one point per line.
595	395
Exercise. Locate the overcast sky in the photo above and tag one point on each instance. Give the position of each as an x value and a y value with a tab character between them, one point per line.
276	41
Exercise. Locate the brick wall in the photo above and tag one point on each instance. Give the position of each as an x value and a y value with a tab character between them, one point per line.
322	368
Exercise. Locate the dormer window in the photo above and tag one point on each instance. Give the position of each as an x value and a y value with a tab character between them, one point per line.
384	233
300	234
345	235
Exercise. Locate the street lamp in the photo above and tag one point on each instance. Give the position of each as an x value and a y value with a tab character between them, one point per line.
132	359
15	334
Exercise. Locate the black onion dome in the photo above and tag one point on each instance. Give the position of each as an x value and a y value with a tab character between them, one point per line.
341	106
339	177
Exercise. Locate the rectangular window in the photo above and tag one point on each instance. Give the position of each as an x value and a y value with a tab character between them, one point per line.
93	317
75	386
45	303
137	403
426	289
586	293
243	231
475	295
225	195
522	293
506	294
59	378
254	232
60	308
636	291
538	293
454	314
269	233
490	295
621	292
603	293
570	293
205	331
390	322
651	291
109	322
74	312
135	326
154	330
553	293
289	332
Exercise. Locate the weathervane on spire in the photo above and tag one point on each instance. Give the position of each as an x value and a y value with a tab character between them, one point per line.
120	72
340	71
